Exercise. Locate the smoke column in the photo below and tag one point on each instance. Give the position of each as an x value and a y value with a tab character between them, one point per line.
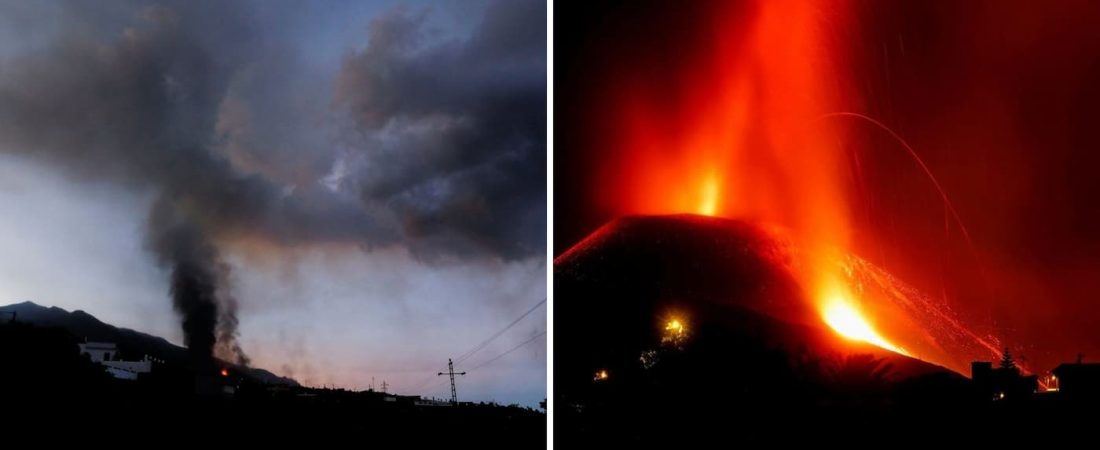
198	277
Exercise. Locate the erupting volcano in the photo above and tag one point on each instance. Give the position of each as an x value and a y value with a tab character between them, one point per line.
711	269
747	120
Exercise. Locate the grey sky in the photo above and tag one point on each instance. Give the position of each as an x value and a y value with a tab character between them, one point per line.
369	224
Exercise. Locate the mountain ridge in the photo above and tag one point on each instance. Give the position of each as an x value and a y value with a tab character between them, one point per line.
132	343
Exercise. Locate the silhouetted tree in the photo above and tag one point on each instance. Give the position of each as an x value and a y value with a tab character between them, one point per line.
1007	362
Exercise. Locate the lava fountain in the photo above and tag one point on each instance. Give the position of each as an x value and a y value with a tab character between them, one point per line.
735	130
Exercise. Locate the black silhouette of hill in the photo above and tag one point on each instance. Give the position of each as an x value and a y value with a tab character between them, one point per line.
753	355
618	285
133	344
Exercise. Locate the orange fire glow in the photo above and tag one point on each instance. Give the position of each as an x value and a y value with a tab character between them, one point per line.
674	326
846	319
708	202
675	331
741	137
225	372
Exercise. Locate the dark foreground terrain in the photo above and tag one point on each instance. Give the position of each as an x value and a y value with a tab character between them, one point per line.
51	394
744	364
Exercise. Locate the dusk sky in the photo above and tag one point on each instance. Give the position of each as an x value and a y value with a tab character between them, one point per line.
363	181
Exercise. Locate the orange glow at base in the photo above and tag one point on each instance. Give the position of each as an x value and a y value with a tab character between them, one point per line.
708	205
843	317
225	372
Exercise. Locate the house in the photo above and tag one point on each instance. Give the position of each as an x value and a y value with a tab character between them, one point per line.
128	370
99	351
430	402
1078	379
106	354
1002	382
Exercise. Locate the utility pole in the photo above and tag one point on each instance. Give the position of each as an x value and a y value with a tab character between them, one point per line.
451	372
384	385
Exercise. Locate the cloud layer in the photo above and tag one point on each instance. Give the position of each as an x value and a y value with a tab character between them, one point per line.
421	139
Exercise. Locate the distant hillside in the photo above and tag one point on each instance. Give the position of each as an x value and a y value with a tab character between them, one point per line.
133	344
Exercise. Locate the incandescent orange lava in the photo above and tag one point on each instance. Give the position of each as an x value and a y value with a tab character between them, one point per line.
737	135
842	316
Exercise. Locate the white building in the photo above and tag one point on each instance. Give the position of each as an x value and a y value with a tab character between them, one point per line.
106	353
430	402
128	370
99	351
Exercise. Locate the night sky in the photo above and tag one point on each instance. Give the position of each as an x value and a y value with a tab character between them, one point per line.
997	99
335	191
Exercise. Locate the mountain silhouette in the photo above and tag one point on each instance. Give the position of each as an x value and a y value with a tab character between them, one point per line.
699	325
133	344
619	285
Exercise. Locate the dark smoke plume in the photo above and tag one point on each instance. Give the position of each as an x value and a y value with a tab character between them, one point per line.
208	107
198	283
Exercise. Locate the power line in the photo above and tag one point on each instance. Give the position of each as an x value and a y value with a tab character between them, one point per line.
486	342
483	344
491	360
507	352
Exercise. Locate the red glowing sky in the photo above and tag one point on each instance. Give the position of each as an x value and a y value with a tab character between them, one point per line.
721	106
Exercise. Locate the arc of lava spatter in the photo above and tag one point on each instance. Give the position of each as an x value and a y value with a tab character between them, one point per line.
949	206
950	210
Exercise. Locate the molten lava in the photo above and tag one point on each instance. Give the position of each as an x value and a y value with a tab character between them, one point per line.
843	317
708	201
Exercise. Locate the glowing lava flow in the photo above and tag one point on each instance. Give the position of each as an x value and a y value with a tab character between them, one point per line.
708	205
846	320
843	315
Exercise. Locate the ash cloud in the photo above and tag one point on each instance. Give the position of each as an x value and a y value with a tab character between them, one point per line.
207	106
452	133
